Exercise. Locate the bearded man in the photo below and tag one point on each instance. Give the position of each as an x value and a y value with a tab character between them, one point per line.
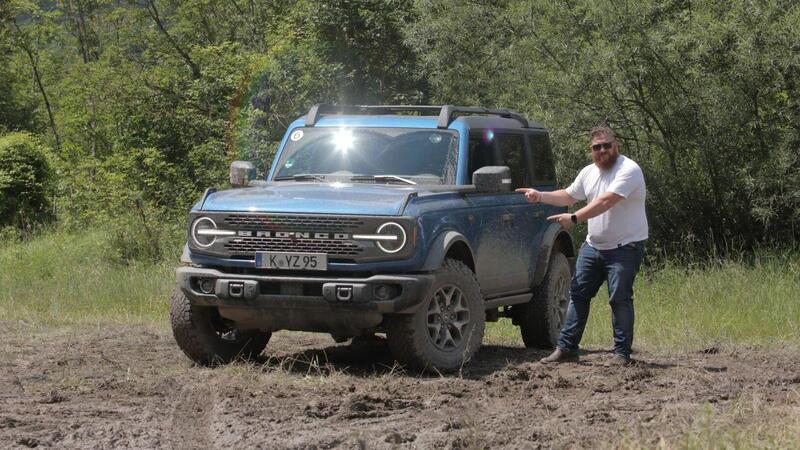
615	191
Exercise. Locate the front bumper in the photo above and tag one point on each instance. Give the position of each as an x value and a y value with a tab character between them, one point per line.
332	304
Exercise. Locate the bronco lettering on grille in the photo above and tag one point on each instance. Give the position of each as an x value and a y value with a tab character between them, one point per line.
291	234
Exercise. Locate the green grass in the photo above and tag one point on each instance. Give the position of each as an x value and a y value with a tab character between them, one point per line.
70	278
727	302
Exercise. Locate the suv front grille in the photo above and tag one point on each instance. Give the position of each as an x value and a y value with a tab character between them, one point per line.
299	233
294	223
332	247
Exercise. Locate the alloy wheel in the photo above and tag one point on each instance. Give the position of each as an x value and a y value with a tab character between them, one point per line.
447	318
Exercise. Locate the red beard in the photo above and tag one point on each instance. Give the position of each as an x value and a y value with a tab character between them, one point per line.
605	159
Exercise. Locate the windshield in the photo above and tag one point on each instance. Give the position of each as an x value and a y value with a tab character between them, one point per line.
424	156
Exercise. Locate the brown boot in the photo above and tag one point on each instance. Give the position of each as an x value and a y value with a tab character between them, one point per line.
559	356
618	360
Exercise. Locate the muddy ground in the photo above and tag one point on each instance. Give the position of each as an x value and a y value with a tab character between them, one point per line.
125	386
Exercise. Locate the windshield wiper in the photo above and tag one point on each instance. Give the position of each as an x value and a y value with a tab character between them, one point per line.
301	177
382	178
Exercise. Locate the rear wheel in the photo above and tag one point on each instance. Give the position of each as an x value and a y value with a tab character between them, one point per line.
448	327
541	319
208	338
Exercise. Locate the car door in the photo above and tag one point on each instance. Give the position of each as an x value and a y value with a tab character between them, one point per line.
523	220
543	178
486	215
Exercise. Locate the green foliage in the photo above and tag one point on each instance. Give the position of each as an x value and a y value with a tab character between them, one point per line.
17	107
703	95
364	37
149	100
153	99
143	236
25	181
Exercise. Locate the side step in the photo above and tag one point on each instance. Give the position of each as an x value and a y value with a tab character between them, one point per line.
510	300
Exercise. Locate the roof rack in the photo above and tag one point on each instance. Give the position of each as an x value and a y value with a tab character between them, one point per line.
445	112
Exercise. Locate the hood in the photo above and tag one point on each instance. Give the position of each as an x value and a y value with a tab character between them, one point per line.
321	198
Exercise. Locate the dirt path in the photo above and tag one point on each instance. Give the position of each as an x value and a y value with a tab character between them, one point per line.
72	387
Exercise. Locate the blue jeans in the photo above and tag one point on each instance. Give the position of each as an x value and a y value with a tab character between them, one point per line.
617	266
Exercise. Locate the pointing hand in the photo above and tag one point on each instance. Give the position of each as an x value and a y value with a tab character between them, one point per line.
531	195
564	219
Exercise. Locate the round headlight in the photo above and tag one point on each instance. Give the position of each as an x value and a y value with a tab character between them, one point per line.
391	229
200	239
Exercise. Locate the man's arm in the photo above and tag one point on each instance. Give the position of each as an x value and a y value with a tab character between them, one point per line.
599	205
555	198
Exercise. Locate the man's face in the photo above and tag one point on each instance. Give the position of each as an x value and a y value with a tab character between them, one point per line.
605	151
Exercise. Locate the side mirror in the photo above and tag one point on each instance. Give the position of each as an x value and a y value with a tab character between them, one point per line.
242	172
492	179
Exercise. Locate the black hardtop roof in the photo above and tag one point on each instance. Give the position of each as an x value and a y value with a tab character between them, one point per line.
475	116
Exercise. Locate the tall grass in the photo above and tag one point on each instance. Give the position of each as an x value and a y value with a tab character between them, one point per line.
72	278
67	278
755	302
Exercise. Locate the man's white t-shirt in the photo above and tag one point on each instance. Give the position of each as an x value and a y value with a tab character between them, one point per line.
626	221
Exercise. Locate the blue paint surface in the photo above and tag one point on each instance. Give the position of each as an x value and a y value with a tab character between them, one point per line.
311	197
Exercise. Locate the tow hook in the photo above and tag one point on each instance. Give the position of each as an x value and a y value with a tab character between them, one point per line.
236	289
344	293
239	289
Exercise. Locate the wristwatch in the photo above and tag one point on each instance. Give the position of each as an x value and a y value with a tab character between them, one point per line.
574	218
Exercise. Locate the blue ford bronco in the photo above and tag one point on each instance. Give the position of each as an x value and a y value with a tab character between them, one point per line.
400	220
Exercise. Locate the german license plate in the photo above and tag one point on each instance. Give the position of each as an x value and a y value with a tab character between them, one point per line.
291	261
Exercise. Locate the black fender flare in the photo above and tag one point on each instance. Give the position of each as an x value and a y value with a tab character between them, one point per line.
185	258
554	235
441	245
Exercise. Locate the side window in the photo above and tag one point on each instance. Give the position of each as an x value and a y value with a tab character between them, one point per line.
481	153
512	150
544	171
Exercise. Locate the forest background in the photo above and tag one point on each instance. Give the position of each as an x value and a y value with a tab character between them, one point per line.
115	115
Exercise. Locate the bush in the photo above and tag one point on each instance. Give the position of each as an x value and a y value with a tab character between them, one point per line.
25	181
143	235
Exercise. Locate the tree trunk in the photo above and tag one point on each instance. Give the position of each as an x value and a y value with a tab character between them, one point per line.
38	79
151	8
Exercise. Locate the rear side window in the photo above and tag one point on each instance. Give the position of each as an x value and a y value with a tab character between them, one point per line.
512	150
544	171
481	152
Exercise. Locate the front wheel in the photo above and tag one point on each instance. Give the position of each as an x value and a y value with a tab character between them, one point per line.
541	319
208	338
448	327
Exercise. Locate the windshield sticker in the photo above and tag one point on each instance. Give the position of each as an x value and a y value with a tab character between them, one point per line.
288	164
296	136
435	138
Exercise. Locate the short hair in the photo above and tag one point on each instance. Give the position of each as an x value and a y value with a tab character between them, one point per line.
603	131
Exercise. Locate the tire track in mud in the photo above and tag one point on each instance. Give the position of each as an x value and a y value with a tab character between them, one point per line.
192	419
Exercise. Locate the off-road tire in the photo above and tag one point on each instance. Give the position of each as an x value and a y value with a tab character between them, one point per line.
540	320
194	330
408	334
